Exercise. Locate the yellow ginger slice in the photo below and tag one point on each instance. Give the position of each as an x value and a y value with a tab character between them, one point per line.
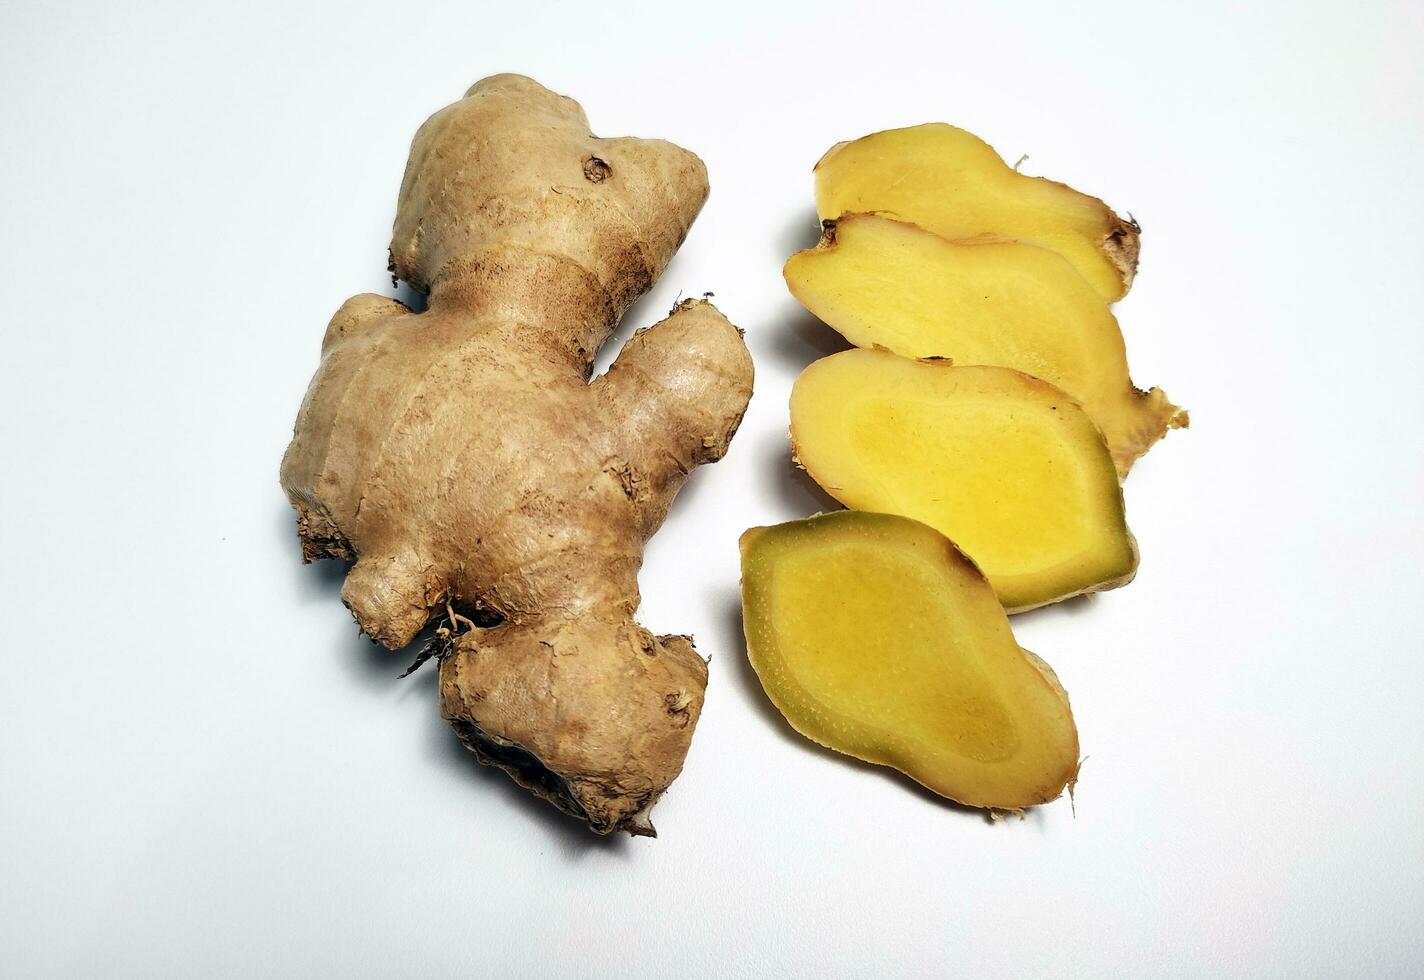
884	283
952	183
876	637
1005	465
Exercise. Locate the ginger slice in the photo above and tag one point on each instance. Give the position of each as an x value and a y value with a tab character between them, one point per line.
876	637
1005	465
952	183
884	283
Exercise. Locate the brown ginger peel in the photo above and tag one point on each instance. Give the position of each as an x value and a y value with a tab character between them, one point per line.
461	455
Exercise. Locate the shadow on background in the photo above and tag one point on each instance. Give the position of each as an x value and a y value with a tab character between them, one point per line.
445	749
793	486
1064	609
802	230
797	337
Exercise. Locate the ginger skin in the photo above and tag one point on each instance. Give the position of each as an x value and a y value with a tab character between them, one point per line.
462	456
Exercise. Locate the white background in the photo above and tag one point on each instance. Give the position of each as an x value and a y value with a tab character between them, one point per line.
205	772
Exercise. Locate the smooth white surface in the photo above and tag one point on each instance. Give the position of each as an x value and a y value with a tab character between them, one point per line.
203	770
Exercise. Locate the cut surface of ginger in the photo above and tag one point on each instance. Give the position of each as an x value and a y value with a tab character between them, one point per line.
876	637
951	182
1005	465
885	283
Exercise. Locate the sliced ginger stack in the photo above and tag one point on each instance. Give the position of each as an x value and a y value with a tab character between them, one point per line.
895	269
884	283
980	436
952	183
935	250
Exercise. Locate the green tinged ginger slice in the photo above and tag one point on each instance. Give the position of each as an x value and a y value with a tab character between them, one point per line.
876	637
884	283
952	183
1005	465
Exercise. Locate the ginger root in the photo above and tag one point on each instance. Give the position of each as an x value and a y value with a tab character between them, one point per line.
876	637
1005	465
884	283
461	456
951	182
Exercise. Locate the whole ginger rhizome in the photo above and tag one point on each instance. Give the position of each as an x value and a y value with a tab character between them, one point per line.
464	461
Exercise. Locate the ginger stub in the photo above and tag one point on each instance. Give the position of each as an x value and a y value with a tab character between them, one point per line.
885	283
1005	465
876	637
463	460
952	183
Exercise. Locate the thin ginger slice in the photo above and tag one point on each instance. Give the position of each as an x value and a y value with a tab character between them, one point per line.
884	283
876	637
1005	465
952	183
